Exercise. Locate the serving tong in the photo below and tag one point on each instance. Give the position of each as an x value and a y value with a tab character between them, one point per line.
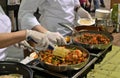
69	27
74	31
55	48
28	59
29	47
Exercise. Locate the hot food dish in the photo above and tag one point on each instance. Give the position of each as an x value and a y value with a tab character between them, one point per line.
11	76
63	58
73	56
92	38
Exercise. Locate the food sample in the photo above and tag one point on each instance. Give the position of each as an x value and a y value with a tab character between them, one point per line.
67	38
11	76
74	56
92	38
86	22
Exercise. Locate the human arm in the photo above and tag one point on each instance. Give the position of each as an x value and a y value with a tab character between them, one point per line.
8	39
80	12
87	3
29	21
26	17
77	5
83	13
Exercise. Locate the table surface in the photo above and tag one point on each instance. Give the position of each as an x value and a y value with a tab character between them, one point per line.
109	67
116	40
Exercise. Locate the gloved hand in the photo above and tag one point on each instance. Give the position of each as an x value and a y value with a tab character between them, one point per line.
40	39
22	44
83	13
56	38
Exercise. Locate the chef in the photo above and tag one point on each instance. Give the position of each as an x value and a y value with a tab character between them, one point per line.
8	38
5	26
52	12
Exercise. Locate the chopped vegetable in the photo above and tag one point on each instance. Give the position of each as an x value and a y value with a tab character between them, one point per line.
71	56
92	38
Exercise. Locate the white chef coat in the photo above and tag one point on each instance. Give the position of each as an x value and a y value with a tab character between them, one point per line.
52	12
5	26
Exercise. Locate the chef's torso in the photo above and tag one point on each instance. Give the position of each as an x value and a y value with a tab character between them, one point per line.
52	12
57	11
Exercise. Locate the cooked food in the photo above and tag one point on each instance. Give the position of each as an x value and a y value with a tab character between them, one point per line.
60	51
11	76
84	21
67	38
92	38
74	56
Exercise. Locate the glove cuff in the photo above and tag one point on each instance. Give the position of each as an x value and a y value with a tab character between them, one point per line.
27	33
28	36
47	32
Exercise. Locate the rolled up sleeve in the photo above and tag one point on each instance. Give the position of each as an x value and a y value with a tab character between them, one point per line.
26	17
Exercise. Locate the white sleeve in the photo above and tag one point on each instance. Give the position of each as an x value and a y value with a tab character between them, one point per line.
1	10
77	3
26	17
5	23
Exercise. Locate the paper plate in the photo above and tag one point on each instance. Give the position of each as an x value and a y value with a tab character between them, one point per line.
86	22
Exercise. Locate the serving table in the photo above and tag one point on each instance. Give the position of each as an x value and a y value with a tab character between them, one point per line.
110	66
97	61
96	56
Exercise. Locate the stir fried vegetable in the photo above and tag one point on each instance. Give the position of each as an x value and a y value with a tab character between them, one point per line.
11	76
60	51
74	56
91	38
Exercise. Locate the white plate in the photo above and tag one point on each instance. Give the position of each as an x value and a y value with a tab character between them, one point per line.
86	22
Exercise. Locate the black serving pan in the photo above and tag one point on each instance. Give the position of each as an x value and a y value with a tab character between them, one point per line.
79	28
10	67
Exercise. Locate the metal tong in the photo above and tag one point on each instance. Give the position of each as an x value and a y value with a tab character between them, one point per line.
27	45
69	27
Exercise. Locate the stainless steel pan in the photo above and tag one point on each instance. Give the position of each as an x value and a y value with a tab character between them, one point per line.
78	30
63	67
94	46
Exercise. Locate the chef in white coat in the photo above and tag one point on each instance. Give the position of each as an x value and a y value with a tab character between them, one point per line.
5	26
8	38
52	12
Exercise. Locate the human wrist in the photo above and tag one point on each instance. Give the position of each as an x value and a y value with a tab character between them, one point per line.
47	32
28	34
